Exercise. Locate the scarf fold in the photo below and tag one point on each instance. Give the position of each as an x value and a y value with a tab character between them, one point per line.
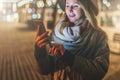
70	38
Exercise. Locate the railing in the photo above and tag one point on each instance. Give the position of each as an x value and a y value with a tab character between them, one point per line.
116	38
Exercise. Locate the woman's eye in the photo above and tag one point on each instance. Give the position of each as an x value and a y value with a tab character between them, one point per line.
67	6
76	6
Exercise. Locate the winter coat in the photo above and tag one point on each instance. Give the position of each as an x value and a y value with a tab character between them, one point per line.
90	61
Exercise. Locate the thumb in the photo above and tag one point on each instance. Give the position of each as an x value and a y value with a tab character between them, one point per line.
62	50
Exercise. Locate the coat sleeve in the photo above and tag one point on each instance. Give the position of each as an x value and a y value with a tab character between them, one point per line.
94	69
45	61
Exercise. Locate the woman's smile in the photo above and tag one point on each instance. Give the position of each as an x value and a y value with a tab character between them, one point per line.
71	15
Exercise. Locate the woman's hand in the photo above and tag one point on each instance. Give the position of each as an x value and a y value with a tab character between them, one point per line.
57	49
42	39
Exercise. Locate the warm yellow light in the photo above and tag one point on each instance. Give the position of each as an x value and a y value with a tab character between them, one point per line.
108	4
105	1
1	6
4	11
14	7
118	6
40	4
49	3
54	1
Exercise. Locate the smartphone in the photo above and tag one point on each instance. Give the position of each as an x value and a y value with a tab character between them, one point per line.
38	23
42	27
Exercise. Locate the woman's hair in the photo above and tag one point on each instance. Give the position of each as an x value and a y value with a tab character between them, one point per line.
88	8
88	13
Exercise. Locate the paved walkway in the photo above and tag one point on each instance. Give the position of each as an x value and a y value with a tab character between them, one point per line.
16	53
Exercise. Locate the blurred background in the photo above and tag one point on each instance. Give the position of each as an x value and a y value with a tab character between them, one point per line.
17	32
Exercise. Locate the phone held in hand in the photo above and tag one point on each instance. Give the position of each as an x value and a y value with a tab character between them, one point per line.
38	23
42	28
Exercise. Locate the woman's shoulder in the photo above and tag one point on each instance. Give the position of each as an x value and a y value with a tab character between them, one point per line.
98	30
100	33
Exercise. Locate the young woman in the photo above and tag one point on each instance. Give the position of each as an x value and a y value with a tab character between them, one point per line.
81	52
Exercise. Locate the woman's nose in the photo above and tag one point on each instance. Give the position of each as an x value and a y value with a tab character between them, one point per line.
71	8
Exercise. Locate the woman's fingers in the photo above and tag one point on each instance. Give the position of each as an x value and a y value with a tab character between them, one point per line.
50	50
42	44
39	37
53	50
46	39
57	49
42	40
62	50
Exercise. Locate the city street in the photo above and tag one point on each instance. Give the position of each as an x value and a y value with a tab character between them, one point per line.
17	60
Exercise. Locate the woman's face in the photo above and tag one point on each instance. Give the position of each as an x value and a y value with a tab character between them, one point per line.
73	10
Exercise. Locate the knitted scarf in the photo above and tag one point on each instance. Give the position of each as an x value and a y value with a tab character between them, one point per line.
70	36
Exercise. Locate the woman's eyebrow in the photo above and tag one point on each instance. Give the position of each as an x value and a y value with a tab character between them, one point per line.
75	2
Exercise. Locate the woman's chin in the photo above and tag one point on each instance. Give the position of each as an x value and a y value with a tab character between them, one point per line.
72	20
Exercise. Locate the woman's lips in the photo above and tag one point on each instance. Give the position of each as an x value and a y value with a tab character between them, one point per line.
72	15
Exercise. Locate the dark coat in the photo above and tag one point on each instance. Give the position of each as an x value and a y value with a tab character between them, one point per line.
89	62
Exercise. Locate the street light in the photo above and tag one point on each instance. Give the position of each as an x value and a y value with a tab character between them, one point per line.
118	6
51	2
40	4
54	1
107	3
1	6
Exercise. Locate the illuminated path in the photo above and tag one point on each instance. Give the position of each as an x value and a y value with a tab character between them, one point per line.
17	53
